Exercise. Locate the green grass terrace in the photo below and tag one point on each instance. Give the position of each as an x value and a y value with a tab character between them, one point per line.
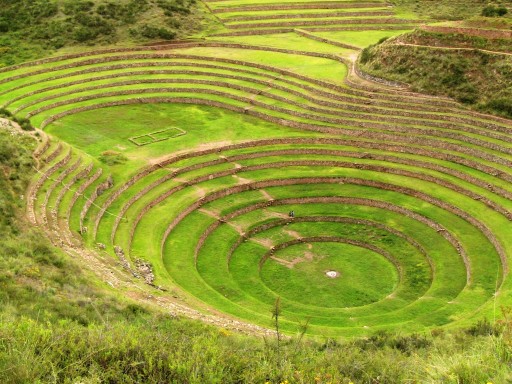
266	17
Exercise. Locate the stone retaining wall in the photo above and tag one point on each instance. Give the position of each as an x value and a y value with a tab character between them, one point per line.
355	133
424	102
53	155
351	123
487	33
395	159
263	93
310	23
61	177
80	192
100	189
301	6
311	36
407	191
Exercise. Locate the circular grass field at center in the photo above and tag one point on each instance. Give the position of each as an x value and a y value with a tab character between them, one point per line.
298	273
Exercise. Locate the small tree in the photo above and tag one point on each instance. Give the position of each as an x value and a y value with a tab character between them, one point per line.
276	312
493	11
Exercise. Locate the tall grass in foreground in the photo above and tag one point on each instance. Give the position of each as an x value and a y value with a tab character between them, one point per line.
158	349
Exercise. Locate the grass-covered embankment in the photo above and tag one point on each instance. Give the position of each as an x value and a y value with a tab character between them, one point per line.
474	70
442	9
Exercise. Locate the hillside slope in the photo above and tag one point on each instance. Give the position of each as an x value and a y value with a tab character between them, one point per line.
473	70
36	28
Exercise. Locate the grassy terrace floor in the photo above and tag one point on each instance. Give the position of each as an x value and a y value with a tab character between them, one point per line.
404	199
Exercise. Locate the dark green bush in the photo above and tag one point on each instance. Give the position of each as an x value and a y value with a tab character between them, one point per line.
4	26
125	13
171	7
25	124
410	343
366	55
382	39
501	105
113	158
4	112
75	6
91	27
24	13
455	74
494	11
466	93
482	328
153	32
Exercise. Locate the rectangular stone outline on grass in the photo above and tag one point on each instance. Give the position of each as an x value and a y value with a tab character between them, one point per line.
153	139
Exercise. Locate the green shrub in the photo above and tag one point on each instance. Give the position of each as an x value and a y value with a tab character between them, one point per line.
382	39
482	328
466	93
493	11
366	55
153	32
25	124
176	6
75	6
502	106
91	27
4	112
125	13
25	13
4	26
113	158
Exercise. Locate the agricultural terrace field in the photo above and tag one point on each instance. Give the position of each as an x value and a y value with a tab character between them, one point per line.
259	164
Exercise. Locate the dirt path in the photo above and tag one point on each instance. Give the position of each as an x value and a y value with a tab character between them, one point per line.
453	48
308	256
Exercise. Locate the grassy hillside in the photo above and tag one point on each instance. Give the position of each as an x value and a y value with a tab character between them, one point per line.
444	9
472	69
35	28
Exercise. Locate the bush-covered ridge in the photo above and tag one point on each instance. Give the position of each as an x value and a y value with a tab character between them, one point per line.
452	9
35	28
453	40
432	63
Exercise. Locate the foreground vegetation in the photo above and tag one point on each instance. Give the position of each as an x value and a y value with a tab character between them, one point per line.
148	348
